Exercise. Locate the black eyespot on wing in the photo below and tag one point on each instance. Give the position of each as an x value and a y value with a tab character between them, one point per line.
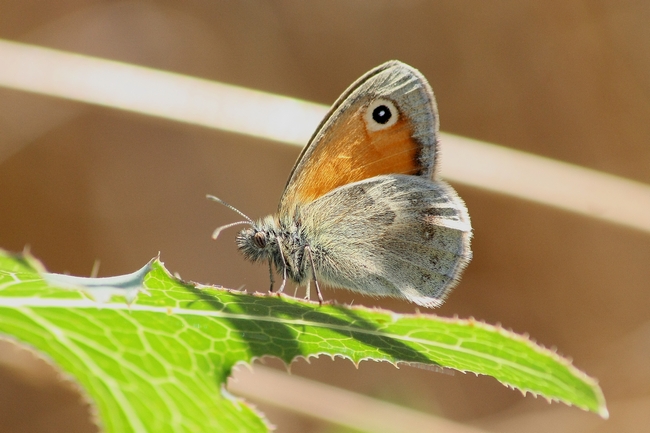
381	114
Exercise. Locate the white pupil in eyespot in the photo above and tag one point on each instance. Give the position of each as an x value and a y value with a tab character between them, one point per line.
381	114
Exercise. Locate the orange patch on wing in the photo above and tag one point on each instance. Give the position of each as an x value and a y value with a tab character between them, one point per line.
349	153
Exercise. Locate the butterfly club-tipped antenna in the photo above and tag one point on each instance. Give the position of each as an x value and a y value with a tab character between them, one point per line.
217	231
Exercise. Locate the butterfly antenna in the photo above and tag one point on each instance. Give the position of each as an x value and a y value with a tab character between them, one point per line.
229	206
218	230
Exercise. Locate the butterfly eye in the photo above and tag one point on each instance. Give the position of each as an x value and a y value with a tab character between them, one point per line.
381	114
259	239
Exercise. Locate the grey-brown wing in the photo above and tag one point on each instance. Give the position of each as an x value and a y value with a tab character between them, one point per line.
392	235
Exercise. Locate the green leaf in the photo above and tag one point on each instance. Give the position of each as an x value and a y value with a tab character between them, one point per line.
160	363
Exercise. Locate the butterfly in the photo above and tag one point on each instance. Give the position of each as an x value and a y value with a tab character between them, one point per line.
364	208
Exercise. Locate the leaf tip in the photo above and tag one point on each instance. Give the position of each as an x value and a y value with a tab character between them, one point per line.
603	412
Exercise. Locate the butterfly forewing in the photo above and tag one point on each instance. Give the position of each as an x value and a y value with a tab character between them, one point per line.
350	145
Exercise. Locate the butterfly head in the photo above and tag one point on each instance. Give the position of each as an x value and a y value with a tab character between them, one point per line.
260	241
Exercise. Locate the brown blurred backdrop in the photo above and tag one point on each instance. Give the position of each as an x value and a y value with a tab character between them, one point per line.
568	80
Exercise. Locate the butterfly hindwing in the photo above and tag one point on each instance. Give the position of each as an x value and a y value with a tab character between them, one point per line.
391	235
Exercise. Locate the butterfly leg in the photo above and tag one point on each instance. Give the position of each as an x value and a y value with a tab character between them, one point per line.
284	267
313	271
284	281
271	277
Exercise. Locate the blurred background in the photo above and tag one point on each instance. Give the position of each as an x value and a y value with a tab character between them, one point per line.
566	80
